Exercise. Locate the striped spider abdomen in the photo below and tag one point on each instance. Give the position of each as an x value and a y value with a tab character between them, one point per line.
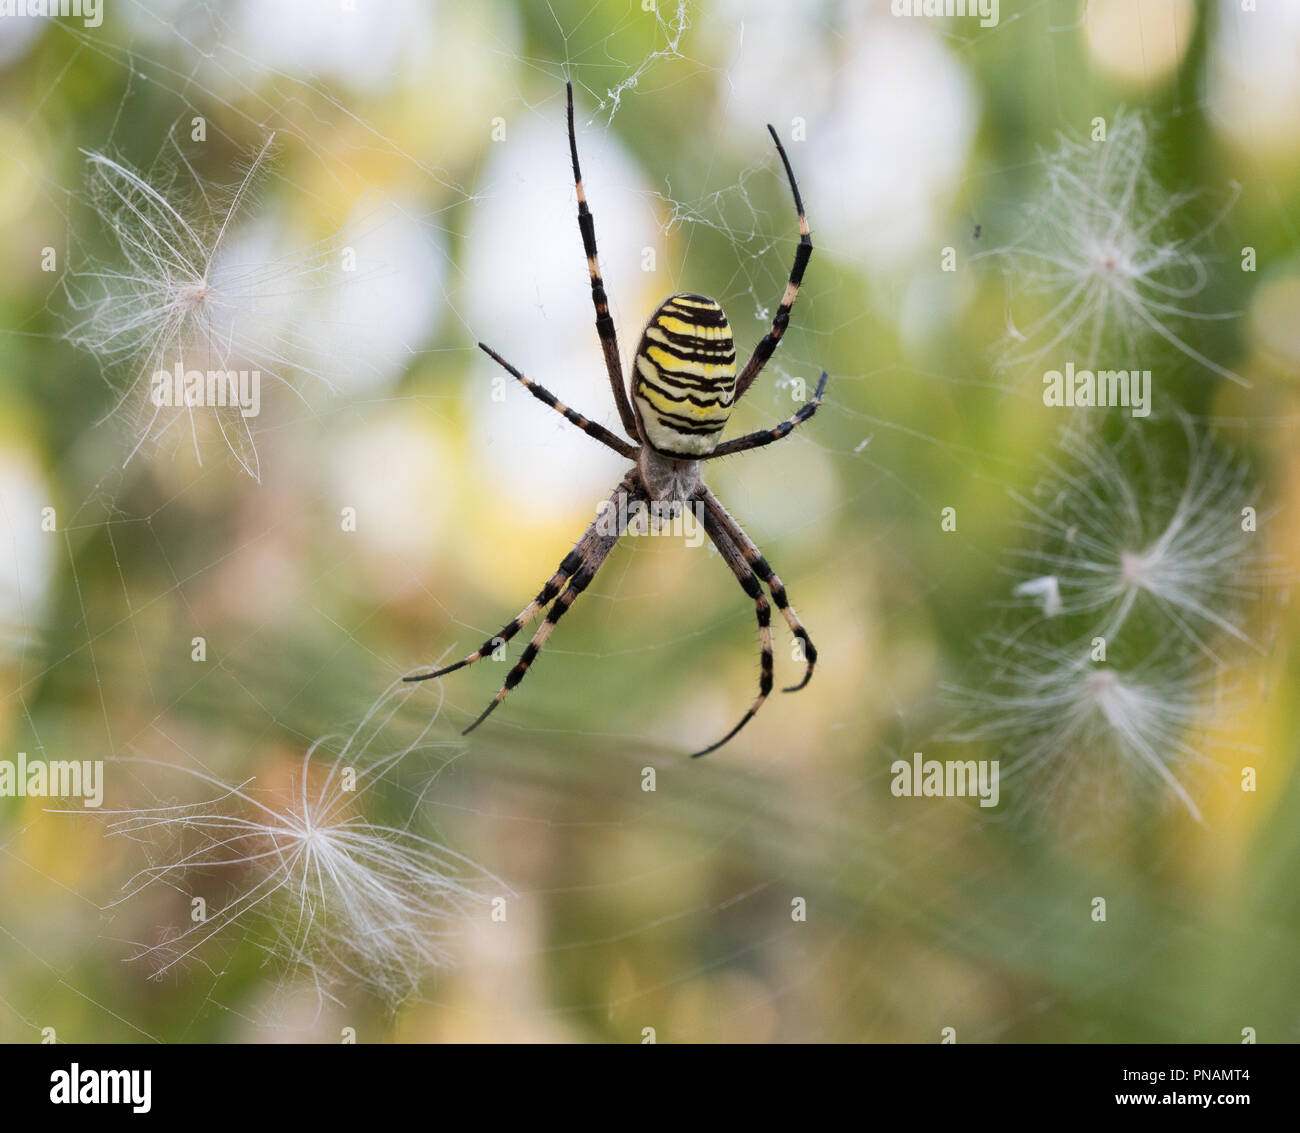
684	375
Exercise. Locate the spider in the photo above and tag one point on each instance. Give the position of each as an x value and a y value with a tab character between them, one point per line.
683	388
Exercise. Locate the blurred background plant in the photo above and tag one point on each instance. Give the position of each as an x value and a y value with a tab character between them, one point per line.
173	610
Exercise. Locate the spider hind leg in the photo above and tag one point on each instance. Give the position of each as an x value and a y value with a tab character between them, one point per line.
577	584
572	561
753	557
583	550
734	558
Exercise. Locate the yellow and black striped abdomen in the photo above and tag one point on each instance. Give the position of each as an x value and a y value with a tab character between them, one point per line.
684	375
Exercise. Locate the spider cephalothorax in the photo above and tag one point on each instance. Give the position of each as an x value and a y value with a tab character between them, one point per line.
683	386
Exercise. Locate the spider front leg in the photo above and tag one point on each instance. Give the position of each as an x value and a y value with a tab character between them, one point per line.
546	397
754	558
767	436
604	322
802	254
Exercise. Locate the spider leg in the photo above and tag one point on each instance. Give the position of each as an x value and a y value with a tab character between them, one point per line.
802	254
767	436
546	397
733	557
604	323
582	577
571	564
754	557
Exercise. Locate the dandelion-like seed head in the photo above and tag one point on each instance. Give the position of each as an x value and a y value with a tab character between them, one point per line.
1111	259
1102	681
318	884
1118	537
1062	723
179	292
195	294
1132	567
1108	258
1127	562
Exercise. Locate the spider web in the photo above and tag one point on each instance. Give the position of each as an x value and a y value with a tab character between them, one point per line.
428	141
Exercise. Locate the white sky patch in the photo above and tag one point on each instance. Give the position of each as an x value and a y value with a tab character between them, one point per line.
1140	42
26	552
397	304
366	45
16	37
760	39
528	296
393	470
882	164
931	304
1253	76
357	330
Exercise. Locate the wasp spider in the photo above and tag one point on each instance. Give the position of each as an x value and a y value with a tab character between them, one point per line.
684	386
